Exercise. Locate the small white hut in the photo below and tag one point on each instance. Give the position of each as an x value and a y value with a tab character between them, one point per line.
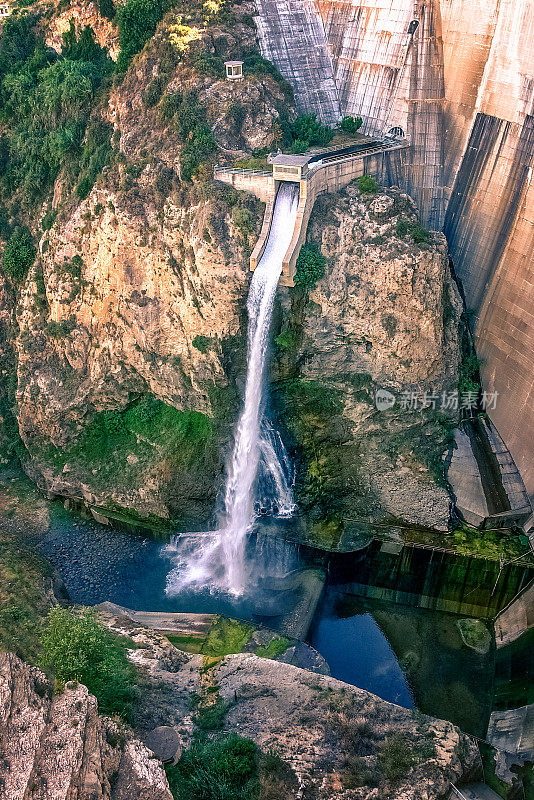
234	70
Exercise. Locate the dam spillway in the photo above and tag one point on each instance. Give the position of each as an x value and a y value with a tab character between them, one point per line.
462	89
217	559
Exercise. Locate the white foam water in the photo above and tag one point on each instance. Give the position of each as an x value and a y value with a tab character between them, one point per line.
217	559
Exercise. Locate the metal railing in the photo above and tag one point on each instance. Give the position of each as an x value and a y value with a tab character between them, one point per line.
246	172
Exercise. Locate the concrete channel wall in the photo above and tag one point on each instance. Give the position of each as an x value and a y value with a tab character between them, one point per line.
329	177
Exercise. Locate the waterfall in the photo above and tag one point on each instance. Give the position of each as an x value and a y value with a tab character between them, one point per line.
217	559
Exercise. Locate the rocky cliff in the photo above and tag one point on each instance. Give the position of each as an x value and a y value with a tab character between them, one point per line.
128	331
57	746
331	739
385	315
129	327
460	85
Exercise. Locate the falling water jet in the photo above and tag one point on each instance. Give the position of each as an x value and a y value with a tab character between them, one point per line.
218	561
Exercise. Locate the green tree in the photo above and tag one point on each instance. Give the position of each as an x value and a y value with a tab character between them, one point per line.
106	8
137	21
78	648
19	254
351	124
17	43
310	266
367	184
307	131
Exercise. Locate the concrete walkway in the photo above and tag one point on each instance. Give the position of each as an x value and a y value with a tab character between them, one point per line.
474	791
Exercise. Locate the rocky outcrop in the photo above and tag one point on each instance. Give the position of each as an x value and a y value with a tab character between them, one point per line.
83	13
331	736
153	298
58	747
385	316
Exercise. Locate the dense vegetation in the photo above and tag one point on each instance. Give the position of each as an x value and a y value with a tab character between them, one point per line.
306	131
351	124
46	102
18	255
23	602
310	267
111	435
367	184
76	647
419	234
137	21
228	768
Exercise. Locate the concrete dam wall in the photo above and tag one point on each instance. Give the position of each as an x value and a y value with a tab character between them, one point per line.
462	88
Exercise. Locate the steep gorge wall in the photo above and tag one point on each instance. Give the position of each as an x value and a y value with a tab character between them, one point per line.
463	90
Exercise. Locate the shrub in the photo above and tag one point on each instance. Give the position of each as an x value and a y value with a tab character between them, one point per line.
402	227
169	105
153	91
58	330
215	770
77	647
208	64
367	184
468	373
203	343
351	124
137	21
310	266
254	162
85	48
17	43
19	255
211	717
396	758
49	219
106	8
97	153
419	234
255	64
244	221
307	131
200	146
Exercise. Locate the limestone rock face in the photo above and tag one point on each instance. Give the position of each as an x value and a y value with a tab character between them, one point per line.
385	316
330	735
140	292
380	308
123	323
318	724
83	13
59	748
